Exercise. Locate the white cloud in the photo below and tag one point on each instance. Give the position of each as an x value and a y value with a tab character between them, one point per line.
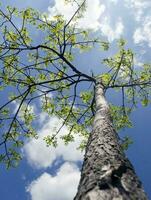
96	17
41	156
141	11
143	33
137	62
138	4
63	186
112	33
138	37
90	17
30	108
113	1
138	7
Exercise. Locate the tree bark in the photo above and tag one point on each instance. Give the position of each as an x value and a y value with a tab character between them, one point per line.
106	173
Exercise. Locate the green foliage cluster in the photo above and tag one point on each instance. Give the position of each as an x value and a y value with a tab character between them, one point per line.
34	68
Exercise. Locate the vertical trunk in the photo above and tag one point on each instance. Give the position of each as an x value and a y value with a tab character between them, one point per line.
106	173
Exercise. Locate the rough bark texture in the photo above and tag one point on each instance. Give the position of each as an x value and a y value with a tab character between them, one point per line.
106	173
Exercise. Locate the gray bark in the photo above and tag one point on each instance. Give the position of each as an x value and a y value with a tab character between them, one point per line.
106	173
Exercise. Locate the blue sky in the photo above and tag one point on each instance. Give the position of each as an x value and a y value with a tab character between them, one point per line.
45	171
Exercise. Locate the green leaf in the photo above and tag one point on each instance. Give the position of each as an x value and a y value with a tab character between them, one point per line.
126	142
106	78
145	102
51	140
121	43
86	96
67	138
105	46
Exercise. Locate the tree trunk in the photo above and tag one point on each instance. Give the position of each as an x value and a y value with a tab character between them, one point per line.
106	173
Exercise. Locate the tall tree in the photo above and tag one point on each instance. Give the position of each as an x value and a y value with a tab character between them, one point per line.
34	68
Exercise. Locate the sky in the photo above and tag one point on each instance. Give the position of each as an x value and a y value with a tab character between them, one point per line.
45	170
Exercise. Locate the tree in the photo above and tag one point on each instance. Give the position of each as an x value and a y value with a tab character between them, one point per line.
32	70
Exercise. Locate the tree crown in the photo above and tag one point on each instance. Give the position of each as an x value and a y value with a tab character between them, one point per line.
43	68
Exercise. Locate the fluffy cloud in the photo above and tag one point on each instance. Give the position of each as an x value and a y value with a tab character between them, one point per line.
112	33
138	4
41	156
138	7
96	17
90	18
113	1
143	33
63	186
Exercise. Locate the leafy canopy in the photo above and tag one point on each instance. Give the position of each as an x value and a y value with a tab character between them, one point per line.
36	59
